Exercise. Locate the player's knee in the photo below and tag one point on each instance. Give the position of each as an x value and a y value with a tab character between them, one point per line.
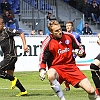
94	67
51	77
2	74
51	74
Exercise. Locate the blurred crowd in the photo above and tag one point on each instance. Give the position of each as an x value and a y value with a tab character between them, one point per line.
91	9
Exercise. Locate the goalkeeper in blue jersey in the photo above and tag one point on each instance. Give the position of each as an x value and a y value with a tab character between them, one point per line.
69	28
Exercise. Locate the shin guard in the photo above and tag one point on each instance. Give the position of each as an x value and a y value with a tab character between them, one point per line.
96	77
57	89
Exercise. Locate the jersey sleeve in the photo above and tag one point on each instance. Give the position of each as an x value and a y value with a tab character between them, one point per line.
12	32
77	45
79	38
44	54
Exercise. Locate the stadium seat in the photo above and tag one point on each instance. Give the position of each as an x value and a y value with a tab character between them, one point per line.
9	1
17	2
98	1
45	7
66	0
14	9
26	34
12	26
34	3
94	33
20	30
14	5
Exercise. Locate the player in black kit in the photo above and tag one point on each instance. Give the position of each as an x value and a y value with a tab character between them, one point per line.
7	65
95	71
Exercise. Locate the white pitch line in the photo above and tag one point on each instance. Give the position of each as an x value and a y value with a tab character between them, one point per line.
27	89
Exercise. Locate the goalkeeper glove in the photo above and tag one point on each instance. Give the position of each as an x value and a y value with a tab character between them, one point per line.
42	74
78	52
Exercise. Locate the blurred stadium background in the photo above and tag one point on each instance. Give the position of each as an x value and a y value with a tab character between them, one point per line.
32	14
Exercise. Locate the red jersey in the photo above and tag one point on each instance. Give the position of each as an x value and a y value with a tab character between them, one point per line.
59	51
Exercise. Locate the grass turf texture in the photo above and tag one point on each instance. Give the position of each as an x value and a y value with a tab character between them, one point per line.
39	90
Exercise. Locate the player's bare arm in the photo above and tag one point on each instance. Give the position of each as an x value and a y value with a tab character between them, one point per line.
98	41
24	42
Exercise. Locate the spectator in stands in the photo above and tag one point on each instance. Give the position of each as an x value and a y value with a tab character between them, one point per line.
94	10
5	6
86	30
79	4
49	17
98	14
33	32
86	10
40	32
96	1
9	20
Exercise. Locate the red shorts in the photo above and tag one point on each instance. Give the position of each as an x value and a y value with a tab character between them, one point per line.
69	73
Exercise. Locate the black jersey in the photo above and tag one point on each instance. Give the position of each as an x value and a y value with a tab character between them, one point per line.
7	42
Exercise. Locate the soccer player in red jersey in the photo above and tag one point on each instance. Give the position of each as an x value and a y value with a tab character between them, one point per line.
69	29
57	55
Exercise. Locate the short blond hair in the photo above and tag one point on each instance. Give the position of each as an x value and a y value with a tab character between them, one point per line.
51	23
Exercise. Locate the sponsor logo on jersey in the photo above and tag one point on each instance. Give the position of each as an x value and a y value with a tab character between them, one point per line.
60	51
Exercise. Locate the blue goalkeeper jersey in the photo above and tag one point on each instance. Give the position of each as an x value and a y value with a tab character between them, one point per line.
77	36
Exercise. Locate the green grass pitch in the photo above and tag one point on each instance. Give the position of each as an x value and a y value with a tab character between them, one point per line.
39	90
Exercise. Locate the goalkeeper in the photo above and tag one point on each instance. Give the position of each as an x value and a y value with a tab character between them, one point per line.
57	55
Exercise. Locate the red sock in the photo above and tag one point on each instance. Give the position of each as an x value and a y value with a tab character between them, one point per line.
97	91
67	84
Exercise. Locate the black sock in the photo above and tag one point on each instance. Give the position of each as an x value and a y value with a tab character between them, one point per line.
20	86
11	78
95	76
6	76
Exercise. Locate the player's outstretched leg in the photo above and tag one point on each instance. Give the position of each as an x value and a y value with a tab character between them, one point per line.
15	82
96	78
57	89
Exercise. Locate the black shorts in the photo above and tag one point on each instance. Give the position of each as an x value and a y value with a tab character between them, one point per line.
8	63
98	57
